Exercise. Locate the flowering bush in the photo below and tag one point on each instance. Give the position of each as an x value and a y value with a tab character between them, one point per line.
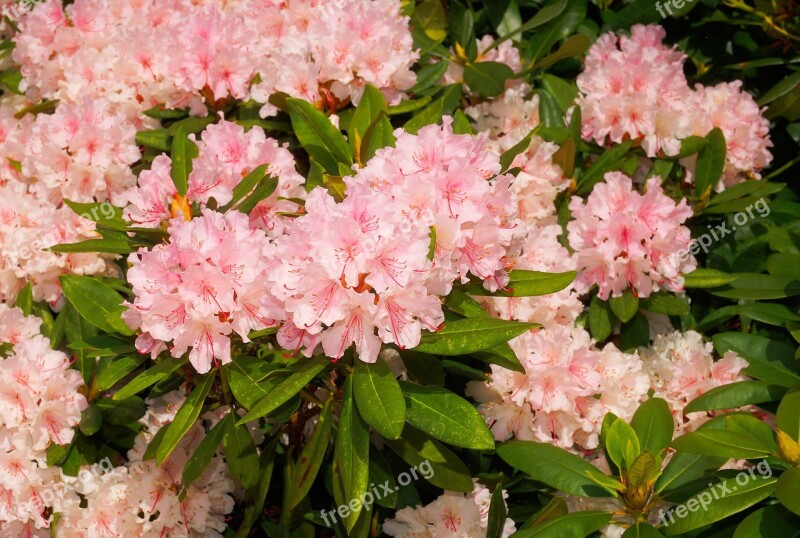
410	268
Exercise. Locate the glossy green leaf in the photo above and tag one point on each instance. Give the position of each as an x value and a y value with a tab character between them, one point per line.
446	416
723	443
318	136
240	452
654	425
465	336
352	451
788	489
202	455
736	394
184	418
488	79
574	525
555	467
149	377
710	162
379	398
287	388
92	299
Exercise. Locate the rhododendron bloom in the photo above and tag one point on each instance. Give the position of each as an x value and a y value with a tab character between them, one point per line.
566	390
359	272
39	405
682	367
625	239
203	285
451	514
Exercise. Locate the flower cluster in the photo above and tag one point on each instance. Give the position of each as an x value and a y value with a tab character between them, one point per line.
682	367
227	154
204	284
369	262
452	514
625	239
143	499
634	87
247	49
566	390
40	405
28	225
507	120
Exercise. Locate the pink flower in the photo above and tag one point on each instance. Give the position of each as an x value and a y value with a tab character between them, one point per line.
203	285
625	239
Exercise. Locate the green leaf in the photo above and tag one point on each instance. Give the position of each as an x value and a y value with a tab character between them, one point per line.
497	514
93	300
258	497
203	454
240	452
182	153
773	520
783	87
740	498
635	333
543	16
654	425
245	186
710	162
266	187
286	389
788	489
707	278
323	142
788	415
573	47
508	156
91	420
601	322
310	460
624	306
524	283
759	287
111	246
488	79
555	467
550	111
575	525
770	361
155	138
612	159
446	416
184	418
723	443
665	303
555	508
379	135
430	17
121	412
561	27
149	377
433	113
465	336
379	398
448	471
352	450
622	444
736	394
118	369
642	530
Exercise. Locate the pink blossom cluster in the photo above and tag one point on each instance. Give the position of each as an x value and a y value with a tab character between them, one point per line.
82	152
29	224
682	367
40	406
625	239
208	281
143	499
227	154
634	87
507	120
451	514
369	262
568	387
310	49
